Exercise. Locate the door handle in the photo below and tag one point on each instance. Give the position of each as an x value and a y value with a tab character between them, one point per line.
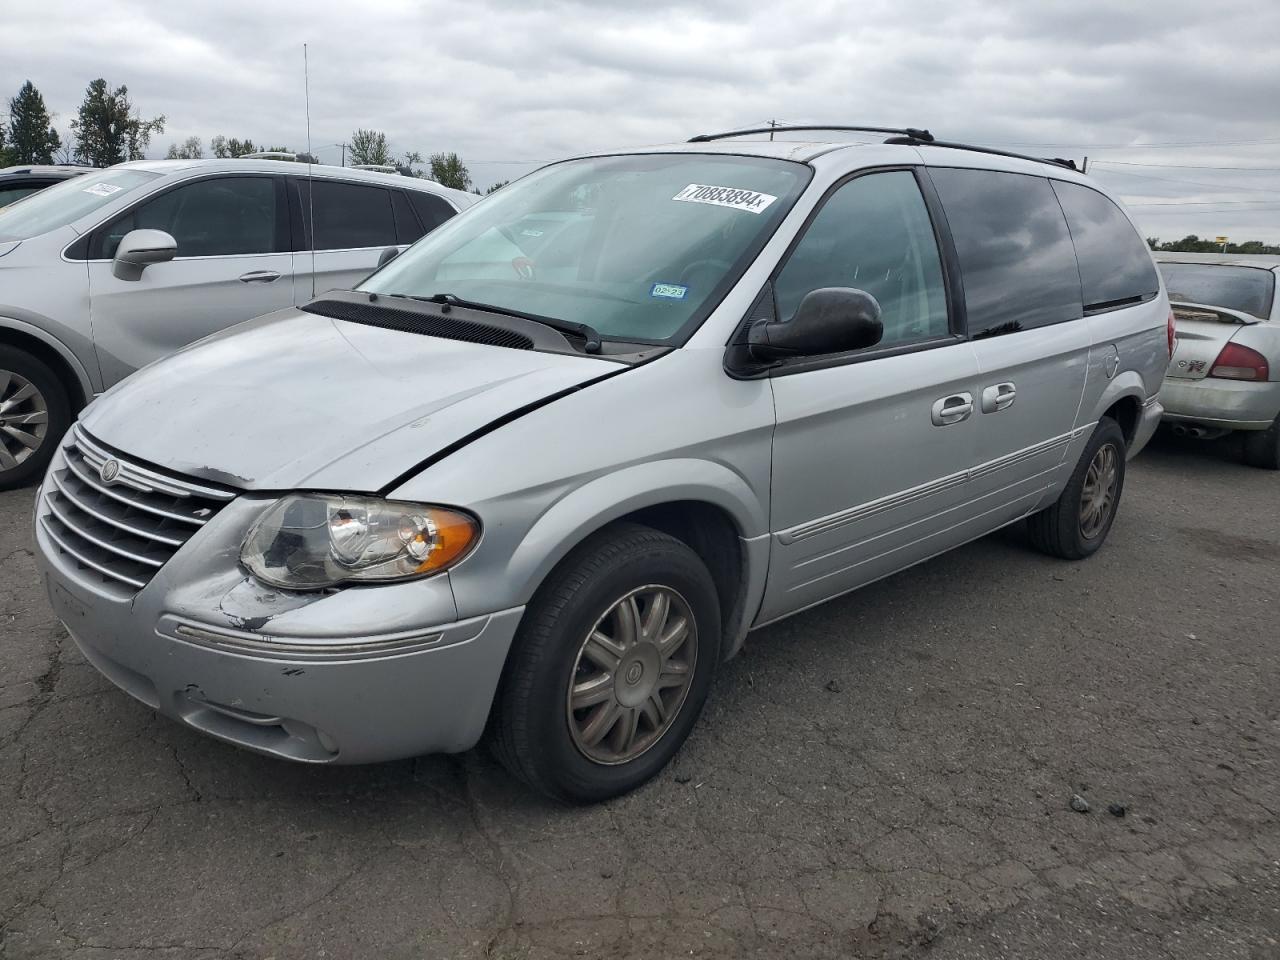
952	409
259	276
999	396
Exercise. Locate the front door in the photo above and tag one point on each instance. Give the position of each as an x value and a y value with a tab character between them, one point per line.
233	264
872	449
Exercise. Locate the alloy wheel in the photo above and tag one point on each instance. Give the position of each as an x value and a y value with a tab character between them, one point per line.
24	419
632	675
1098	496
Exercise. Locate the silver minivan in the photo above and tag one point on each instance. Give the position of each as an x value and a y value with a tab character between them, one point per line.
540	475
105	273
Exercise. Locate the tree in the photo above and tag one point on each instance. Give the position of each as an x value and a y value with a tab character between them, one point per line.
448	170
369	147
4	154
1153	243
224	148
191	149
411	165
496	187
108	130
31	137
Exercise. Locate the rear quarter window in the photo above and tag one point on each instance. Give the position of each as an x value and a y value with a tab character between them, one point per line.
1115	263
1016	260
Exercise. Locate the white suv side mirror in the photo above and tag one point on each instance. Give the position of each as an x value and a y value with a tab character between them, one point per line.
138	248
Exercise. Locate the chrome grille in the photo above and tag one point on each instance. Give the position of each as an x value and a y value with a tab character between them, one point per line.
122	529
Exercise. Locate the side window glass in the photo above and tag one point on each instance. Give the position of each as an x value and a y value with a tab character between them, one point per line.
1016	258
221	217
407	227
349	215
1115	263
873	234
432	210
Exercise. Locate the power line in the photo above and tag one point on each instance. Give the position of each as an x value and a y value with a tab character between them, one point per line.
1141	146
1193	183
1194	203
1179	166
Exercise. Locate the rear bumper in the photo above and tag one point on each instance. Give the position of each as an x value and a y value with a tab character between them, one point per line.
1152	411
1229	404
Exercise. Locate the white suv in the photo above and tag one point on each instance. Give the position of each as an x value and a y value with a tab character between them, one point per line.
105	273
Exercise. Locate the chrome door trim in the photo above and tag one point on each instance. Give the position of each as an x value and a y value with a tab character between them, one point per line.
813	528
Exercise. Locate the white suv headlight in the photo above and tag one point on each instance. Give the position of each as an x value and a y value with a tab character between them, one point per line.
315	540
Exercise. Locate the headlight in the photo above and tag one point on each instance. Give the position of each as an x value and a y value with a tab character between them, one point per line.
314	540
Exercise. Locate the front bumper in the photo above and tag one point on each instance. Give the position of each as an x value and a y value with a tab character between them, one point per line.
359	675
1214	402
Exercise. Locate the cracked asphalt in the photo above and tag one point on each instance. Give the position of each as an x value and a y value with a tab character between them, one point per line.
917	806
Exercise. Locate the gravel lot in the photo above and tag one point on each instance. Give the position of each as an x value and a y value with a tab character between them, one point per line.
888	775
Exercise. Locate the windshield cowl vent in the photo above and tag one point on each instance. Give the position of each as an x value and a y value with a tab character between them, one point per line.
446	328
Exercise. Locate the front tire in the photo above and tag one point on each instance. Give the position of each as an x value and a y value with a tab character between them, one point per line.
611	666
34	414
1262	447
1077	524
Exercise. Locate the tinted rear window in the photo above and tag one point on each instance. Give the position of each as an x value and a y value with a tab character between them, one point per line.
350	215
1115	263
1016	259
432	210
1247	289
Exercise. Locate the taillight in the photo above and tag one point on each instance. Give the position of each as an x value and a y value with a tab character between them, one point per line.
1236	362
1173	332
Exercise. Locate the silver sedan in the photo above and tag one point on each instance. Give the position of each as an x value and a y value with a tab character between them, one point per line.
1225	371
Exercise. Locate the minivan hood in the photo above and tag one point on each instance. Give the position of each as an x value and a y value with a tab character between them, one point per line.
296	400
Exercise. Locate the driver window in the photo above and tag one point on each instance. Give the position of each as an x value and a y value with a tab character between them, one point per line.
873	234
218	217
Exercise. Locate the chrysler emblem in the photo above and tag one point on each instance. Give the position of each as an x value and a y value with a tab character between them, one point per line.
109	471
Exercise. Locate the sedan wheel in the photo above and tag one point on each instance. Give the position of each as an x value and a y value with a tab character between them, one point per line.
24	419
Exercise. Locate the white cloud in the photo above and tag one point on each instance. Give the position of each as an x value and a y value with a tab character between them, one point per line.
502	81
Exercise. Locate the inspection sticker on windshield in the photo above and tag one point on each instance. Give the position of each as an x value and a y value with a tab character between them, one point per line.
103	189
747	200
669	291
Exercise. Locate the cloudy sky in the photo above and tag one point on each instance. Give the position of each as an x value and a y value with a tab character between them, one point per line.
1173	102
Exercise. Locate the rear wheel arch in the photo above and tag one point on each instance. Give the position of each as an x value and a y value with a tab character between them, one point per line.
1127	412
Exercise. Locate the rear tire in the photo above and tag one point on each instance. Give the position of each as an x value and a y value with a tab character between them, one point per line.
1262	447
34	414
1077	523
588	648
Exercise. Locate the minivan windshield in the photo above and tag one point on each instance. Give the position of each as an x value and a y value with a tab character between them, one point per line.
1247	289
68	201
639	247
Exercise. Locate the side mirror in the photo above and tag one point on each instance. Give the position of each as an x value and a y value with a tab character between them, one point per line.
829	320
387	256
140	248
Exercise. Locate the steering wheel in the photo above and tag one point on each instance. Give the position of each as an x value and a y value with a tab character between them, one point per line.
692	268
523	266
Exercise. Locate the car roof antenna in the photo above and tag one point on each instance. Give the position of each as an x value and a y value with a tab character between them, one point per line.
311	203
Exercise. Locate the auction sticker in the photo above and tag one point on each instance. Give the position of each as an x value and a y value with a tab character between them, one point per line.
748	200
103	189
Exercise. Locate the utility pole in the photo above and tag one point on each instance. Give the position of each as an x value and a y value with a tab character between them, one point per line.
1084	167
344	153
772	124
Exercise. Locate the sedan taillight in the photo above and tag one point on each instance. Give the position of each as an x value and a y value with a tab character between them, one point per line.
1237	362
1173	332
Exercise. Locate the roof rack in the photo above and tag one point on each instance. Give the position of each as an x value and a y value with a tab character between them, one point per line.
268	155
376	167
910	136
922	135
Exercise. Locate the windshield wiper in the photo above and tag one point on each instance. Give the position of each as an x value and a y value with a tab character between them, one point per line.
587	332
